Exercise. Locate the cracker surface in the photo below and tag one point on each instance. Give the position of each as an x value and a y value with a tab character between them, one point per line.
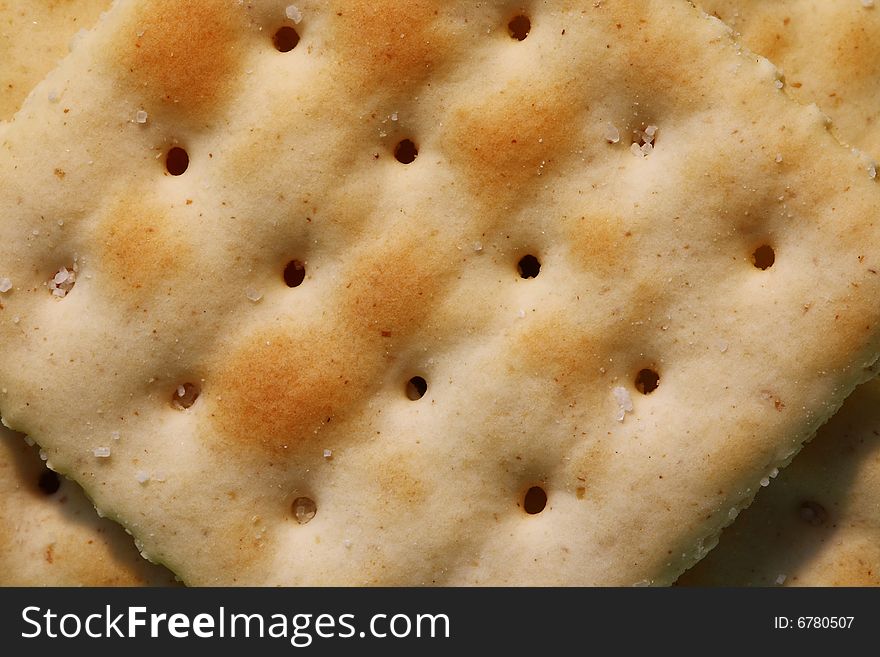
829	52
817	524
52	538
50	534
245	255
34	36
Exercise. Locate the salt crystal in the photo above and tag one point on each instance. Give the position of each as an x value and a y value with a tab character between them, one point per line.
141	476
159	476
624	402
867	3
114	435
647	148
394	116
650	131
328	454
347	544
61	276
478	246
43	455
612	134
53	96
101	452
16	319
778	84
872	171
5	285
778	158
521	314
29	441
294	14
781	579
252	295
63	280
765	482
141	117
181	391
733	513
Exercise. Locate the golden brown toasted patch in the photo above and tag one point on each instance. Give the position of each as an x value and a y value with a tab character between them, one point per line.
140	244
388	44
286	387
503	159
183	53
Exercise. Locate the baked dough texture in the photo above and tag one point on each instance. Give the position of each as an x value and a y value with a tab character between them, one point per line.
829	52
221	358
817	524
50	535
34	36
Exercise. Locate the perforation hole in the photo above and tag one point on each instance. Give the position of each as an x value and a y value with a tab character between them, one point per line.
285	39
184	396
416	388
529	267
764	257
49	482
535	500
406	152
294	273
177	161
304	509
519	27
647	381
813	513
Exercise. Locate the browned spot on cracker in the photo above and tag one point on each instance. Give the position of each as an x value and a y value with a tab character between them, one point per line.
399	483
284	385
278	390
506	142
183	52
599	243
390	291
557	347
384	43
139	244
